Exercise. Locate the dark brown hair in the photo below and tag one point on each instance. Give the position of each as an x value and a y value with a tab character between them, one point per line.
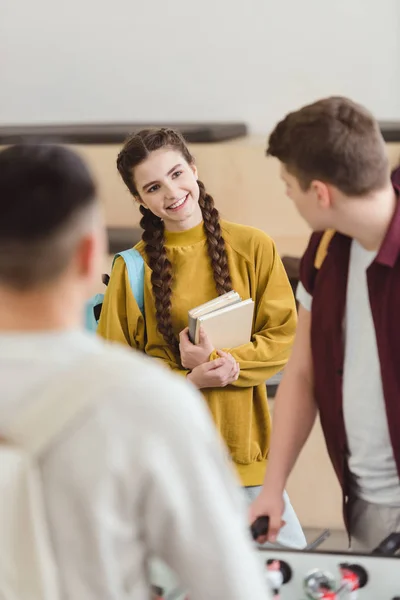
335	141
136	149
47	195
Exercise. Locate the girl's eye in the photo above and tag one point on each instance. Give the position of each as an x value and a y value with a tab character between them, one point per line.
153	188
176	174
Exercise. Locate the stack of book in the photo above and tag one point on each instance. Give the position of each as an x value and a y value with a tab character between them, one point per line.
227	321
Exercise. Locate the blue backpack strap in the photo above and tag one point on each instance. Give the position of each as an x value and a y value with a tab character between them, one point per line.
90	318
135	267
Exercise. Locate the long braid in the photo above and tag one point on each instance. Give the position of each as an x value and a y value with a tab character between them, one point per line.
161	277
136	150
215	242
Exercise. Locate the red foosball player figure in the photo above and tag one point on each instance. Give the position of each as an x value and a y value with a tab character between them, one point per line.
350	580
353	578
328	594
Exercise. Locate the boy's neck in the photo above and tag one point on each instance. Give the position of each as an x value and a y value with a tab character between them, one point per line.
367	220
52	309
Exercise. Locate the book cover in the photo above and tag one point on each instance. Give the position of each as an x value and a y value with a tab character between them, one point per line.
228	327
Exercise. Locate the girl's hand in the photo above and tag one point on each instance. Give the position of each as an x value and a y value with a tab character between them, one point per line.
217	373
193	355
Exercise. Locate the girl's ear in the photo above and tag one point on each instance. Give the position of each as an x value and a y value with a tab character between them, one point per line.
194	169
138	200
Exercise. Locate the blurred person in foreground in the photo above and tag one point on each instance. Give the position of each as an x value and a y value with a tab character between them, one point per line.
141	470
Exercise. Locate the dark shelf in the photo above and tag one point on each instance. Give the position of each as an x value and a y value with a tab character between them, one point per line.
390	130
116	133
108	133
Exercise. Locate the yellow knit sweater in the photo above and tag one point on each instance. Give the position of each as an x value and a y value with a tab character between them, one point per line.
240	410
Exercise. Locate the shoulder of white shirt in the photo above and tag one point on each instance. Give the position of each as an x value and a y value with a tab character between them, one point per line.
303	297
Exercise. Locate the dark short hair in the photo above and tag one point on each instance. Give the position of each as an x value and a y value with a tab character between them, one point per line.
45	191
334	140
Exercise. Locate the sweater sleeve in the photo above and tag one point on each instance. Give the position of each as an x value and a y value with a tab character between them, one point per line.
170	361
275	320
121	320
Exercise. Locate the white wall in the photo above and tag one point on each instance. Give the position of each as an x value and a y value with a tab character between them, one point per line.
177	60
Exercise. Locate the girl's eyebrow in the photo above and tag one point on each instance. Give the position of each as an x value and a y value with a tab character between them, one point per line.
169	173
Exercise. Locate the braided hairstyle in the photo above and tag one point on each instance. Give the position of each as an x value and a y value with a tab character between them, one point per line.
135	150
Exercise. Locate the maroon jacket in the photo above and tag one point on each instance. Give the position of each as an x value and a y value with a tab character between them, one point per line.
328	287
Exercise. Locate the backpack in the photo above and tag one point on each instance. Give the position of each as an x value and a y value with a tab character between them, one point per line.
27	566
135	267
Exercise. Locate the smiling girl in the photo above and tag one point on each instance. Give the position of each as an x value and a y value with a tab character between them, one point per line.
191	256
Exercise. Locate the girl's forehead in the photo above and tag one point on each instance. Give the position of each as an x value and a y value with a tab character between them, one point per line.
158	164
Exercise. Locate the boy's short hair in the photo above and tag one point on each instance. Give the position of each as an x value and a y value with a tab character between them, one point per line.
333	140
46	193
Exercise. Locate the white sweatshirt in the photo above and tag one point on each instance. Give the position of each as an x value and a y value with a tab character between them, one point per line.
144	473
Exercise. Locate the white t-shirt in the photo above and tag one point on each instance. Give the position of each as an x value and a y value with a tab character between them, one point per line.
143	473
371	459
